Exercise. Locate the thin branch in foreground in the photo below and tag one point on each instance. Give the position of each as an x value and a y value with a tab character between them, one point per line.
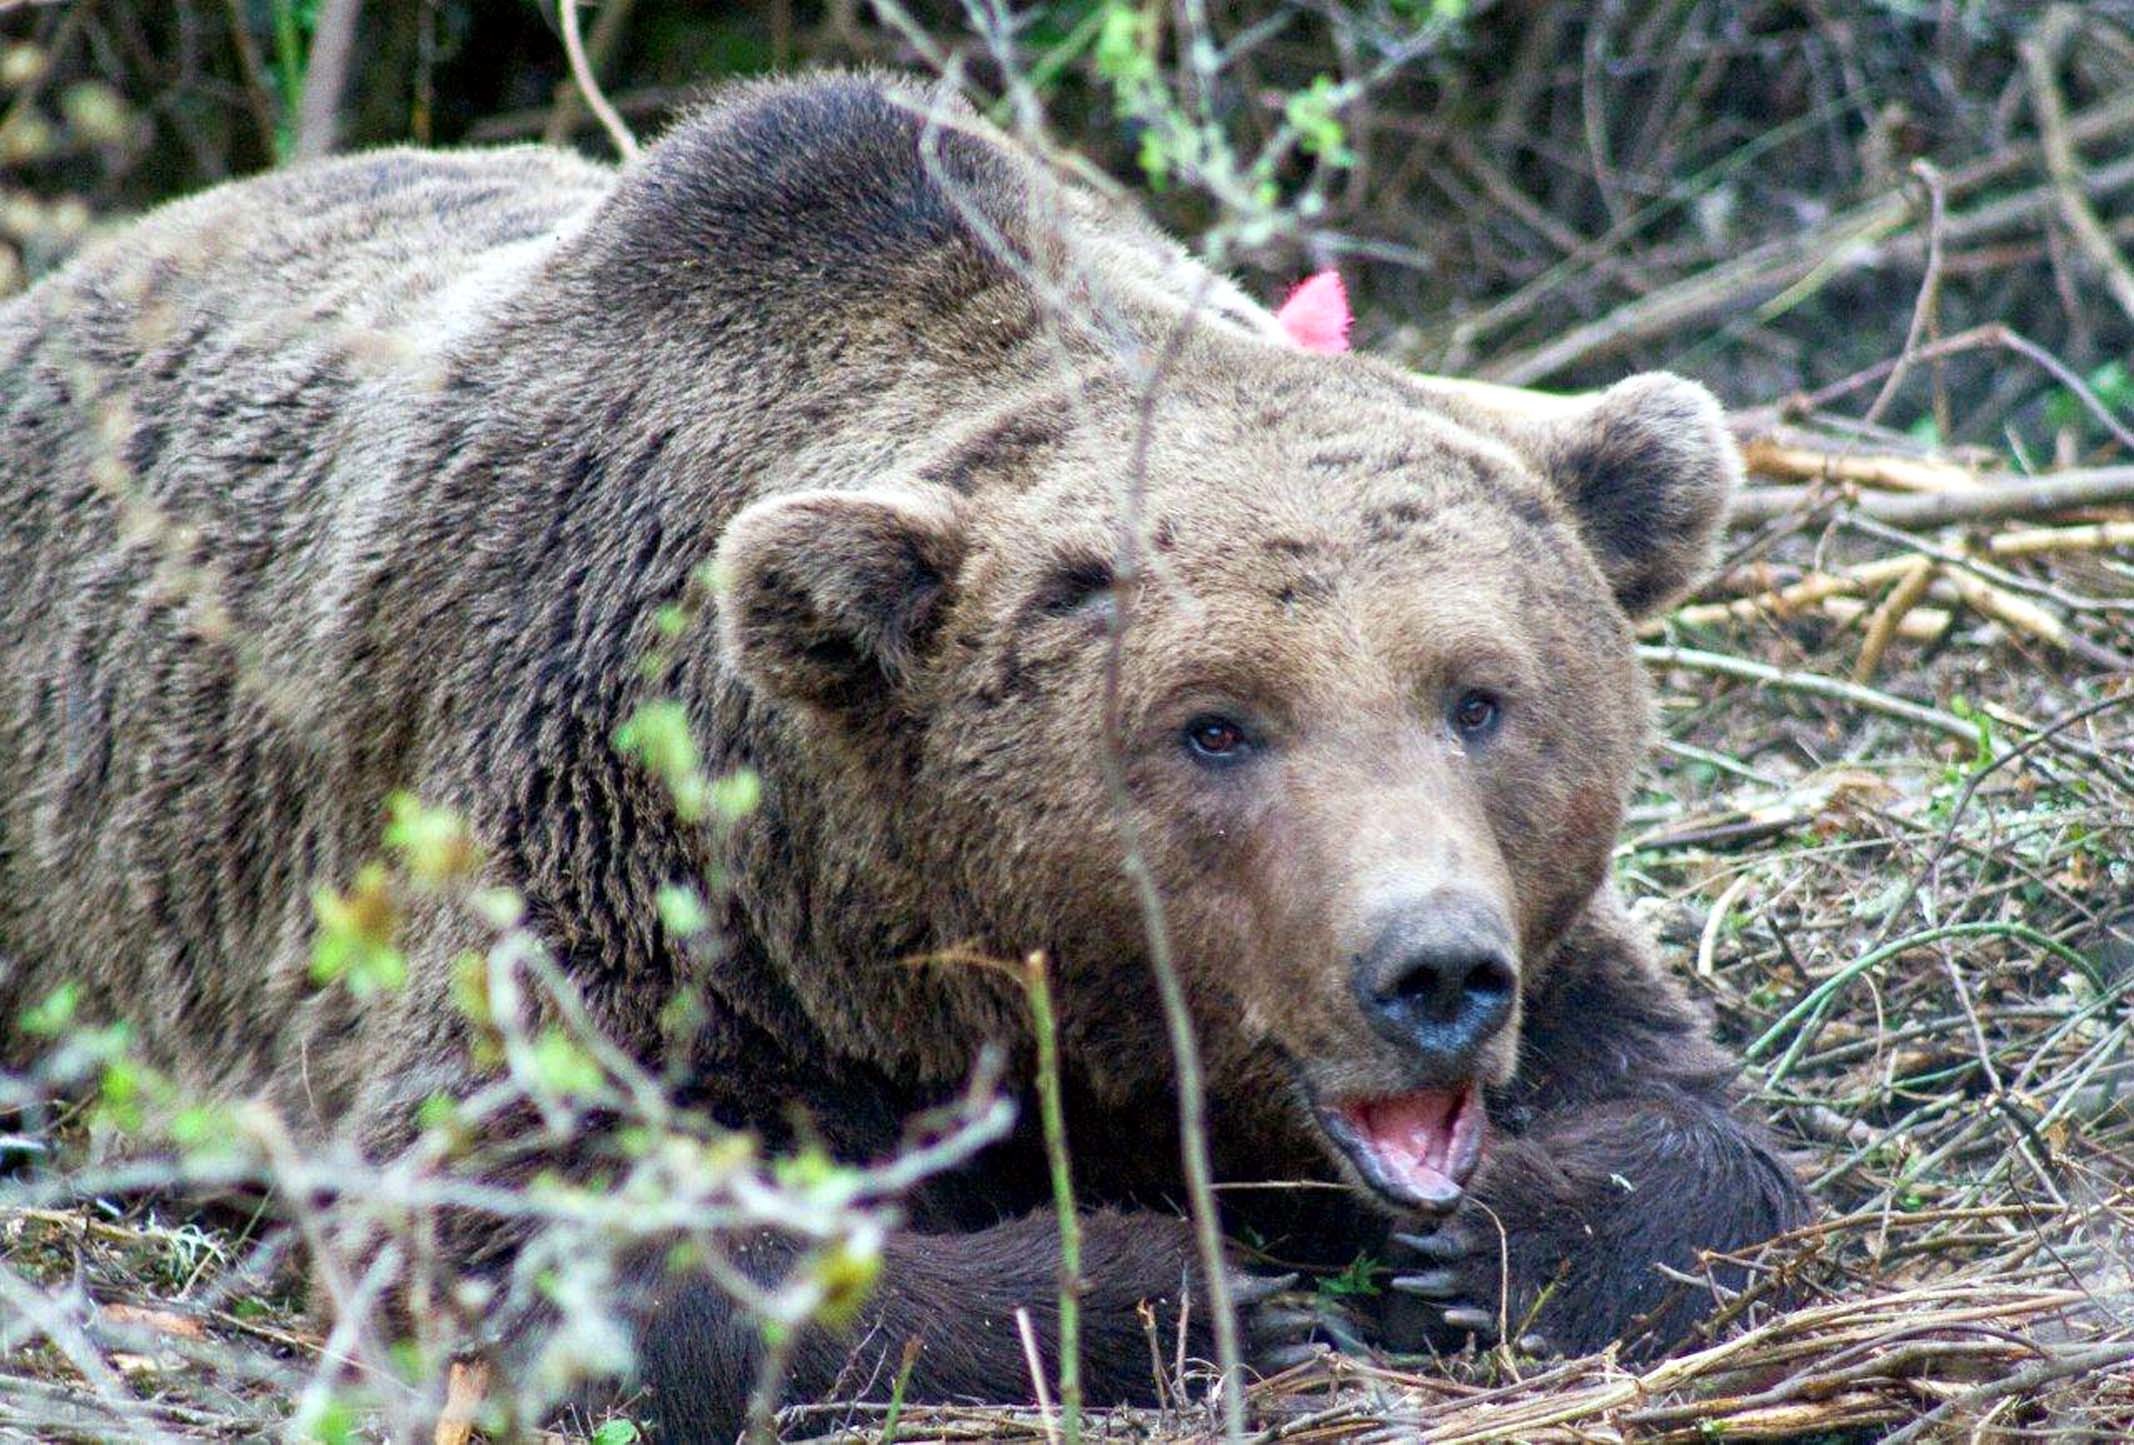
333	49
1053	1119
1928	307
1178	1019
596	99
1991	334
562	117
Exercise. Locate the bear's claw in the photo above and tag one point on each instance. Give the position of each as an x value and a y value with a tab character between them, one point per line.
1443	1244
1430	1284
1479	1323
1290	1327
1455	1292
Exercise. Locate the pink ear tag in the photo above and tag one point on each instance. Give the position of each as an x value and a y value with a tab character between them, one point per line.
1316	315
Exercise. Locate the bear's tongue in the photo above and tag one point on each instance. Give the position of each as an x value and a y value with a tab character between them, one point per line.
1425	1143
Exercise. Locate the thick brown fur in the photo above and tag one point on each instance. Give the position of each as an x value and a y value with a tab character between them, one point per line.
375	474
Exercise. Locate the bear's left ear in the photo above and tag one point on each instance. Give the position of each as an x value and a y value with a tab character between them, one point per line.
829	598
1648	467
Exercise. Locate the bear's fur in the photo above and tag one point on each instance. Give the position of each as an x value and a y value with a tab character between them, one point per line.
375	475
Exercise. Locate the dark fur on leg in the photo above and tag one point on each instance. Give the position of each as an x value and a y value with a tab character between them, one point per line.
957	1295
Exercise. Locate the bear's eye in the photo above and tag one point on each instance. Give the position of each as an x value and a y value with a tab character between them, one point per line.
1216	739
1475	715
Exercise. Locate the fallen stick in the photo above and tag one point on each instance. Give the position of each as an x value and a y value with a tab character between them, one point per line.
1818	586
2040	53
465	1386
1812	684
1837	594
1898	608
1919	624
1811	590
2030	542
1764	456
2041	496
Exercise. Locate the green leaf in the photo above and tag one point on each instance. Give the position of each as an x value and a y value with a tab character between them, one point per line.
565	1068
434	844
50	1018
682	910
355	938
1319	131
737	794
657	735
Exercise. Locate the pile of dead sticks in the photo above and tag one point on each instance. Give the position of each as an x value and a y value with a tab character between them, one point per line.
1952	539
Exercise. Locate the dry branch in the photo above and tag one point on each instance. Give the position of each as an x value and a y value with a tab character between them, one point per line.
595	98
1812	684
2041	58
1882	628
1766	456
2076	489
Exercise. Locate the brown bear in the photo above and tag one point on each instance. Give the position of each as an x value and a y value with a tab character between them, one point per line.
1038	546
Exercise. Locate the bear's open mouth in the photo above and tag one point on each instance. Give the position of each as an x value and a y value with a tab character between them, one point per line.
1415	1149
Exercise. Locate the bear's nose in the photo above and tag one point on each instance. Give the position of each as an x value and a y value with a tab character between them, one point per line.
1440	978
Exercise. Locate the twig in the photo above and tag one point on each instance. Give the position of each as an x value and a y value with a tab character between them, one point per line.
562	118
1035	1363
1052	1116
1993	333
333	48
1178	1020
1766	456
1929	303
1815	588
1811	683
1970	789
1910	591
589	84
2057	492
2012	611
249	65
1841	242
1918	624
2098	537
2040	51
2109	534
465	1385
1812	1006
1767	269
2076	1362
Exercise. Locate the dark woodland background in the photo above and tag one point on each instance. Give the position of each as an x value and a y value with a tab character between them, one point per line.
1521	168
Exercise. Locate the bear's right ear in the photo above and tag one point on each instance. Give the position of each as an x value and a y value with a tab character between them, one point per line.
829	598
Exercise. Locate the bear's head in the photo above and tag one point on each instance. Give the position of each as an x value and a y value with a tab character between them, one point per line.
1351	685
1319	676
